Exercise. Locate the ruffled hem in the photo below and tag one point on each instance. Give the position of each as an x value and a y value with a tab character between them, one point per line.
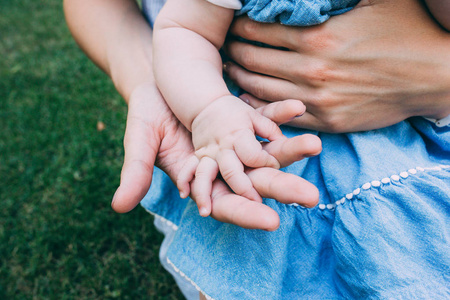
342	252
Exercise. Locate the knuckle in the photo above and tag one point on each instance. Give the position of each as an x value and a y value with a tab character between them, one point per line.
257	89
200	153
326	107
322	101
228	174
319	38
334	123
253	161
248	57
200	173
250	28
319	72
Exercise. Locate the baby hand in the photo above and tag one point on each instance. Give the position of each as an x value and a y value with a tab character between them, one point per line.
224	139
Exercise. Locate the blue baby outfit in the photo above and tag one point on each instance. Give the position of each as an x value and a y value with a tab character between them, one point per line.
381	229
294	12
287	12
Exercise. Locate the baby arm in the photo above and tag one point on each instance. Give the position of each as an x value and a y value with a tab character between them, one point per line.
188	70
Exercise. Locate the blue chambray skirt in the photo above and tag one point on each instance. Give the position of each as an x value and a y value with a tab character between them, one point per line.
381	229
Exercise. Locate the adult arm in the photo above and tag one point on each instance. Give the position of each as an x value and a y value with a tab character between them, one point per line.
374	66
115	36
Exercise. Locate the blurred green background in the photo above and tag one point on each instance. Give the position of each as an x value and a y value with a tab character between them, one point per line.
59	238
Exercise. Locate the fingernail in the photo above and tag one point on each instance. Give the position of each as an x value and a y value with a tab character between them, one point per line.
297	116
243	98
203	212
182	195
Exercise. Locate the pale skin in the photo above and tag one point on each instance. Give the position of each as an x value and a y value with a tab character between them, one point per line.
350	76
188	72
188	34
119	42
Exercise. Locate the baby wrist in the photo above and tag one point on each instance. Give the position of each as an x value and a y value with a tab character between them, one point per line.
213	108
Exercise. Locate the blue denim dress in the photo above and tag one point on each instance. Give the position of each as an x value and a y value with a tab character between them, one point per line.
381	229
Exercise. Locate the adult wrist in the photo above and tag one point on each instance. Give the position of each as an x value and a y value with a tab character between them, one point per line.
434	103
127	75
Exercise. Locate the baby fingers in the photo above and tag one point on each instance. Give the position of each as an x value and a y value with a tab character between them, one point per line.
251	153
186	175
232	172
265	127
201	189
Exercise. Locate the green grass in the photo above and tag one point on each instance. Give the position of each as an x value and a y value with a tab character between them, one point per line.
59	238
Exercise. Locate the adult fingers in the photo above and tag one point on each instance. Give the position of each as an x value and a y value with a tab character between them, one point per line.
231	208
140	154
232	172
269	61
201	187
329	123
288	151
267	87
279	112
267	33
281	115
286	188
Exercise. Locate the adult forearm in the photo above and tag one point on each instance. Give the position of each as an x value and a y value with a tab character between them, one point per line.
116	37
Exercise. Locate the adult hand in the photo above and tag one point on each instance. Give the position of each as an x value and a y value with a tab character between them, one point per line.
374	66
154	135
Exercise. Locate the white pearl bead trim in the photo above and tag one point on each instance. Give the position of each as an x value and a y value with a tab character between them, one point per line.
188	279
375	184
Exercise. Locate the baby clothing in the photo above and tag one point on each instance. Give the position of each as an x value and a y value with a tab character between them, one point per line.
287	12
381	229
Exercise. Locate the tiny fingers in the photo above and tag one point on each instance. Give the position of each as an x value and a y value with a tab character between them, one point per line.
205	175
250	152
266	128
232	172
186	175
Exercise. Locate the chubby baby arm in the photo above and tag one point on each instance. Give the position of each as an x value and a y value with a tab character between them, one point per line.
188	70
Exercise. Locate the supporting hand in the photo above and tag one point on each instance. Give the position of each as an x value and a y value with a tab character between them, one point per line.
154	135
374	66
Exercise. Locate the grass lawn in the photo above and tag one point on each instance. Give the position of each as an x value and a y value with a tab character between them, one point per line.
59	238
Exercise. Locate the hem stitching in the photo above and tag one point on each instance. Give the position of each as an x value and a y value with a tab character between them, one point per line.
375	184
